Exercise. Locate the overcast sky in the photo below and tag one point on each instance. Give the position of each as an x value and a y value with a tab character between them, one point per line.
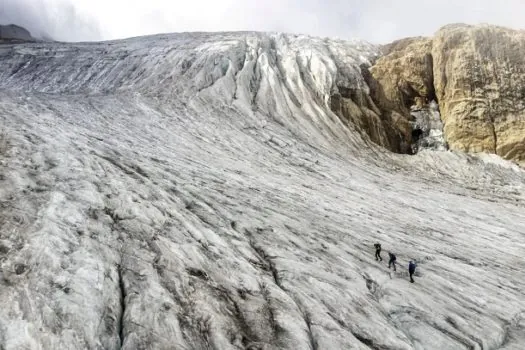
378	21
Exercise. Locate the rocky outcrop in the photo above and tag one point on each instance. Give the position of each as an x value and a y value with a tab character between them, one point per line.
399	80
405	74
14	33
477	73
365	111
480	82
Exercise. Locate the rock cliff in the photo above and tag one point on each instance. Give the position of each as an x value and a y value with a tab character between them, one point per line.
476	73
480	83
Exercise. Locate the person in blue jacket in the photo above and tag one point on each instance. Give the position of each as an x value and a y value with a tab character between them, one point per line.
411	270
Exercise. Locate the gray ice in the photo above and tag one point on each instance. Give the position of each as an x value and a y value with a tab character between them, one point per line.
194	191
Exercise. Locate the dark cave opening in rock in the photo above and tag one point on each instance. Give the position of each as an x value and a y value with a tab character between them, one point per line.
432	96
417	133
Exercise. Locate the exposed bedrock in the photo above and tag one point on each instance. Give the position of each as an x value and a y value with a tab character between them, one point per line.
477	75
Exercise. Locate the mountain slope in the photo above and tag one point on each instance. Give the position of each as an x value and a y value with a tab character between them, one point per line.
196	191
14	33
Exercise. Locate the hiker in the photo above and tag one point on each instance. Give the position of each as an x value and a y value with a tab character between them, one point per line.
392	260
378	251
411	270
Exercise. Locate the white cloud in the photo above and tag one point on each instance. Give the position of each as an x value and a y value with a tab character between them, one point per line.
374	20
59	19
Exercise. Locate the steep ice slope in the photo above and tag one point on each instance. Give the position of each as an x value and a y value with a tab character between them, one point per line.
194	191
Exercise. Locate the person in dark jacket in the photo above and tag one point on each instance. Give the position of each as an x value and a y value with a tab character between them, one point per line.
378	251
392	261
411	270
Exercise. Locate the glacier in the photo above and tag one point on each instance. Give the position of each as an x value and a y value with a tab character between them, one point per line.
427	128
195	191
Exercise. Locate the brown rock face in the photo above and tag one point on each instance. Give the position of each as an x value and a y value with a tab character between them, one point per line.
405	74
480	83
477	73
400	79
365	112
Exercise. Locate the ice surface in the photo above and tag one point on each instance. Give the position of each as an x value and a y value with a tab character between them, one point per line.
427	122
194	191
